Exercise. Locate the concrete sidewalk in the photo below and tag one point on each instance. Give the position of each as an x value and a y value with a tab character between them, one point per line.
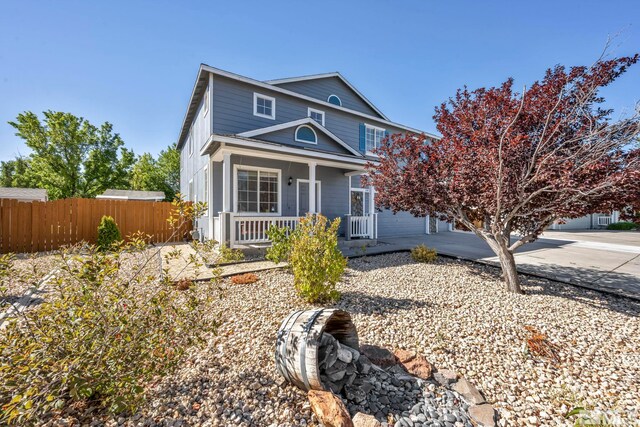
606	261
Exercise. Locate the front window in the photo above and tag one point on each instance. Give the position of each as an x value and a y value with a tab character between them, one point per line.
257	191
264	106
373	137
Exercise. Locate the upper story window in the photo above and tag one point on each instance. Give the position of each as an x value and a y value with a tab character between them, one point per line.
335	100
306	134
373	137
316	115
206	101
257	190
191	142
264	106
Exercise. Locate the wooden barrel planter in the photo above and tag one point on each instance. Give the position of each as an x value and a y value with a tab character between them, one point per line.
298	341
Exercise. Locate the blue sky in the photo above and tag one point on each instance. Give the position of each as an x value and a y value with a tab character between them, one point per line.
133	63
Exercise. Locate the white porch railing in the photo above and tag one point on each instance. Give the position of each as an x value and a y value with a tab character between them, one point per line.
362	226
604	220
253	229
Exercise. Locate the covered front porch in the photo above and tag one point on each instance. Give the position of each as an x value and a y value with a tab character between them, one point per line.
264	184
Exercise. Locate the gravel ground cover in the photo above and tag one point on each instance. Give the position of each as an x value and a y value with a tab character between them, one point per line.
455	313
28	270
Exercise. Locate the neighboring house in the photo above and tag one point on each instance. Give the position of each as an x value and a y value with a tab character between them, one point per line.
24	194
587	222
151	196
268	152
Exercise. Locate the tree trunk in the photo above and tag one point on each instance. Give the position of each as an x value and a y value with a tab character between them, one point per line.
509	271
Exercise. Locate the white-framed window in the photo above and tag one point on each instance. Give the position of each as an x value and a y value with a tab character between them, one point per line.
306	134
335	100
191	199
257	190
317	115
264	106
205	188
206	101
191	142
373	136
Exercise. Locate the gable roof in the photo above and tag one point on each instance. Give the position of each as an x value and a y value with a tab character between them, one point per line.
23	193
327	76
296	123
131	195
202	80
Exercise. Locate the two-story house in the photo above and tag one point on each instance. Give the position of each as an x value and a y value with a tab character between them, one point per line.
268	152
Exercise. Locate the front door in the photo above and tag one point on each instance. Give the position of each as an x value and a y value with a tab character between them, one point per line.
303	197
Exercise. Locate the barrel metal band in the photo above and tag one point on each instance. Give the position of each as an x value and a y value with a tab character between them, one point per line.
303	347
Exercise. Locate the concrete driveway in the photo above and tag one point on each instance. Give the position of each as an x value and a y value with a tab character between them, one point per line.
604	260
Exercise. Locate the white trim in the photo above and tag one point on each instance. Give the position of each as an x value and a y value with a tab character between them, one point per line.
211	104
314	110
267	86
257	95
248	147
235	190
191	190
190	142
226	181
305	121
323	76
318	197
206	185
339	100
315	135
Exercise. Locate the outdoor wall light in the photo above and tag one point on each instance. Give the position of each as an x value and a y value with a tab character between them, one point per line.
290	180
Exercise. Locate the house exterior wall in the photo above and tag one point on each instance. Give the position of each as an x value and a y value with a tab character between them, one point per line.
233	113
322	88
192	165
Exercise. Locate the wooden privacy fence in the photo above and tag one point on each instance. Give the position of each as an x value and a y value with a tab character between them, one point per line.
43	226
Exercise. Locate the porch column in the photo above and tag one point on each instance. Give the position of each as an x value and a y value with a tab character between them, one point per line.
226	227
226	182
312	187
372	208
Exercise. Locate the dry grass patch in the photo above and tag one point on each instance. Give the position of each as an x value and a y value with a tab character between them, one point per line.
244	279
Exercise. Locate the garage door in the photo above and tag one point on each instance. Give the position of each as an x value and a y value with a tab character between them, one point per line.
400	224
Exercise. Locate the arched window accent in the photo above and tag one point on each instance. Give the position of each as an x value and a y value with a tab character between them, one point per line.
306	134
335	100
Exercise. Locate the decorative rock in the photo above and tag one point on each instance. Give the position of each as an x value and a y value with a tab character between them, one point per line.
468	391
329	409
415	364
484	415
445	377
378	355
364	420
345	355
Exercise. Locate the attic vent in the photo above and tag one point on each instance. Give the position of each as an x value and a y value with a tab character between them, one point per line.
335	100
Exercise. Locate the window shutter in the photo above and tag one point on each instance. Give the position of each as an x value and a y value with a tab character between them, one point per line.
363	144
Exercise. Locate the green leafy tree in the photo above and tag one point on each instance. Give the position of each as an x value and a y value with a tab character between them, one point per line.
162	174
71	157
15	173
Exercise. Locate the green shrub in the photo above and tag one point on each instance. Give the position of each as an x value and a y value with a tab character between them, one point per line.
110	324
228	255
421	253
622	226
280	243
108	233
316	262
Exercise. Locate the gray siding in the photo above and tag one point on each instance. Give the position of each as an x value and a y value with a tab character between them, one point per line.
192	166
322	88
287	136
233	112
